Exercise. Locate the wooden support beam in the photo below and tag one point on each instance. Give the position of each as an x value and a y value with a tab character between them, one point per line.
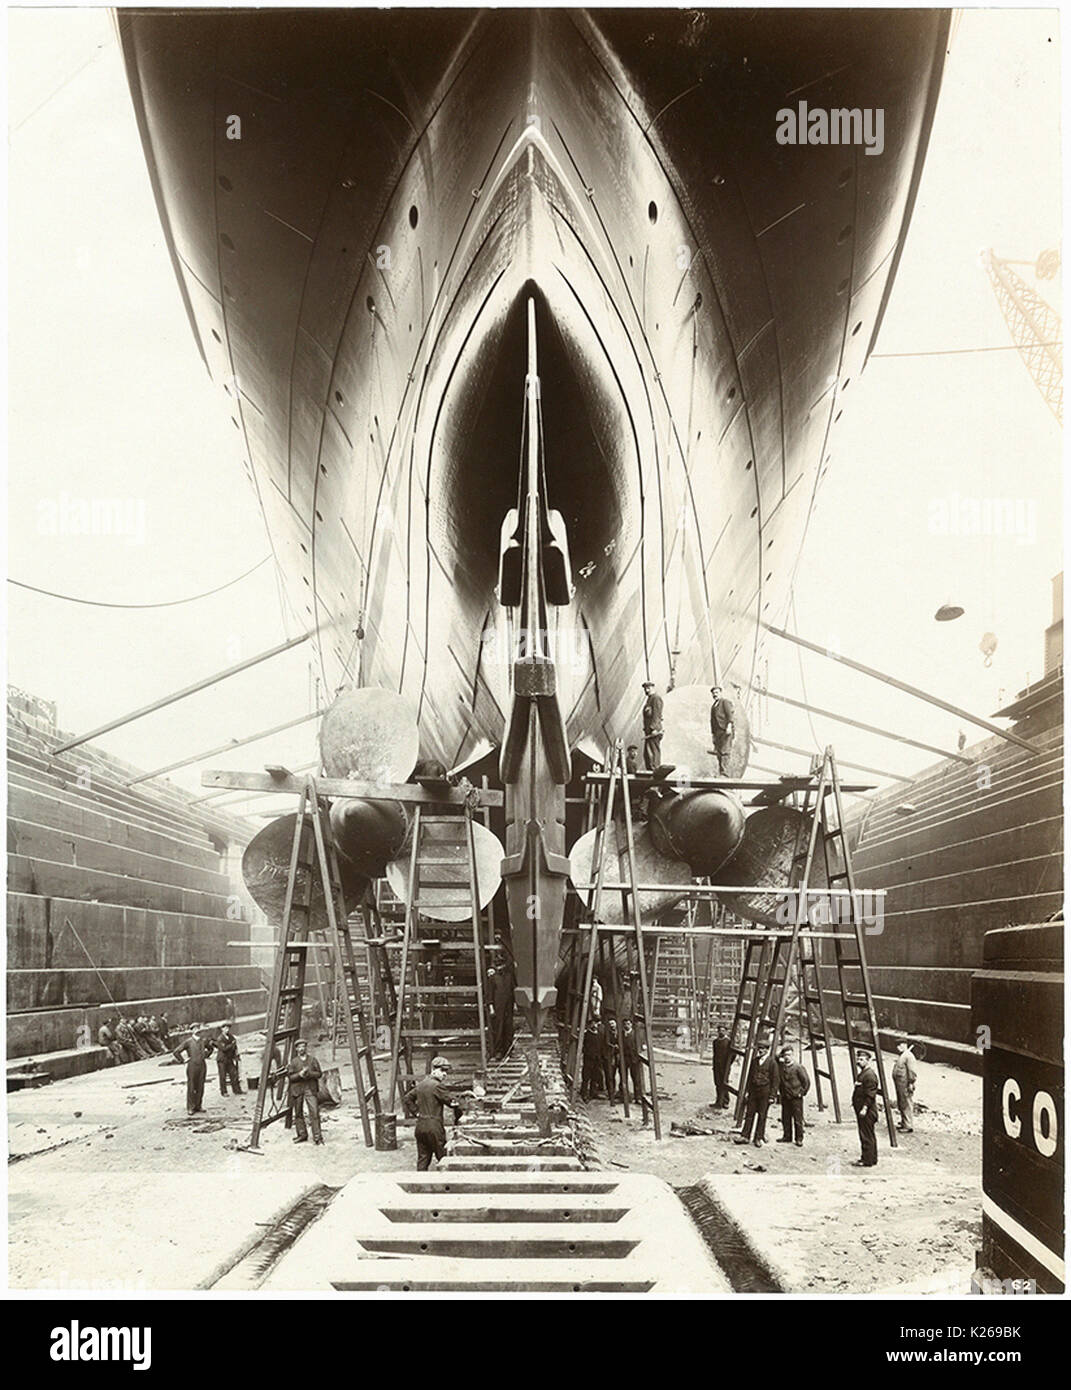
407	792
183	693
214	796
788	782
858	724
760	933
706	890
907	689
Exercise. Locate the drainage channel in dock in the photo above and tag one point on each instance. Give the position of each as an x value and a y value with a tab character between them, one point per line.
746	1271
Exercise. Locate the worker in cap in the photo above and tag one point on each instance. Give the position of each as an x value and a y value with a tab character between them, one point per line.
652	726
431	1097
721	728
795	1083
197	1051
227	1061
865	1105
304	1072
763	1083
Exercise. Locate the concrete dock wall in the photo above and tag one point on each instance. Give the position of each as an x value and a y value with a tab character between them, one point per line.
961	851
120	900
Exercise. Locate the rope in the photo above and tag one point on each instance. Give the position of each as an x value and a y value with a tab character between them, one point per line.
170	603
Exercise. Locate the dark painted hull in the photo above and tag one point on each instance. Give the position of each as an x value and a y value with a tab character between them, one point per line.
355	268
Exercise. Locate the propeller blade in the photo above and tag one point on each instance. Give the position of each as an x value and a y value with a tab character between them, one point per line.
266	866
370	735
764	860
652	866
450	904
688	743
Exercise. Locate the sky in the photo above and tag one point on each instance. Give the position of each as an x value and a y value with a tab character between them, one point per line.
925	435
114	422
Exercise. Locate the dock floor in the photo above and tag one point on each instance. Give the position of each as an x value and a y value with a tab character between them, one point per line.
112	1187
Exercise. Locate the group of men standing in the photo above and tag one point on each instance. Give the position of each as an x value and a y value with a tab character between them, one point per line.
604	1047
780	1075
772	1075
198	1048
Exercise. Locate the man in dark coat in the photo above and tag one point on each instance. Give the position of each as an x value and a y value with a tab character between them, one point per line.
500	999
721	728
652	727
304	1073
865	1105
592	1072
632	1038
227	1061
795	1083
431	1097
723	1056
764	1081
197	1052
611	1058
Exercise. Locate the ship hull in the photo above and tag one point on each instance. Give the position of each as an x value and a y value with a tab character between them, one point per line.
355	267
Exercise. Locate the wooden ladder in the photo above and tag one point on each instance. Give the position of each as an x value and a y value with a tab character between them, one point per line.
430	846
849	952
635	956
763	997
313	861
675	981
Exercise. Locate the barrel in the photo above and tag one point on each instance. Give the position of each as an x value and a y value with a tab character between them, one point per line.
386	1131
1017	1018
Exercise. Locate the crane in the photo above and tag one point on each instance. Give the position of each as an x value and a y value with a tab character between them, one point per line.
1035	327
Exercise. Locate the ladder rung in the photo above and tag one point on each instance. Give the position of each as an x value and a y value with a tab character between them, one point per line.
446	883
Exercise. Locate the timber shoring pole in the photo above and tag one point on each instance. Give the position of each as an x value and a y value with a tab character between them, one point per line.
858	724
182	694
907	689
810	753
226	747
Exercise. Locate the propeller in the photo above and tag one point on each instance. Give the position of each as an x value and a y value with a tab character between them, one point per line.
764	860
367	735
